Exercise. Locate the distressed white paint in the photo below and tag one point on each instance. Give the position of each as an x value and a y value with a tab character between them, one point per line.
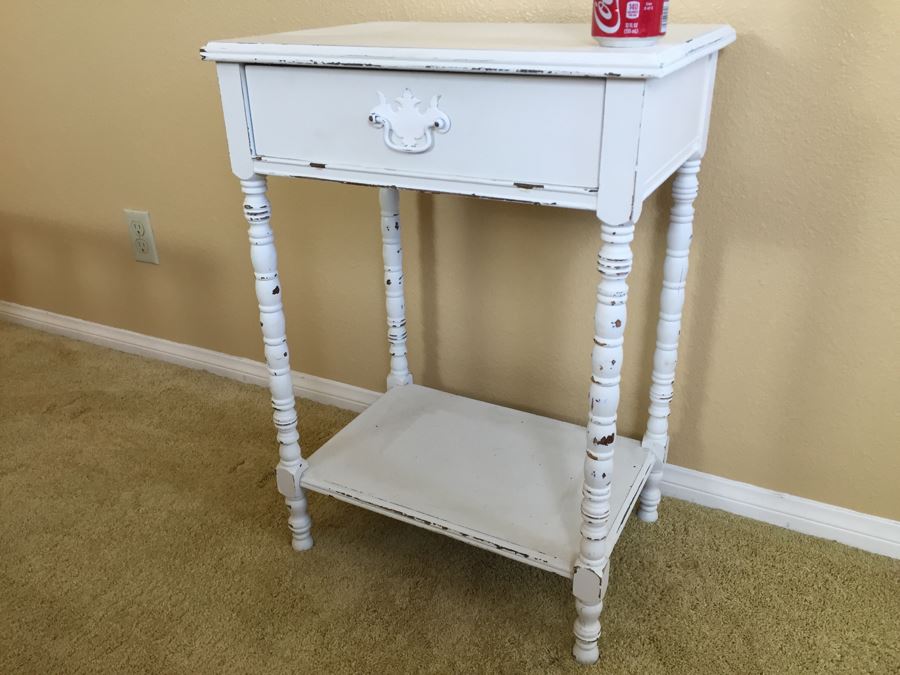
518	154
497	478
271	319
668	329
392	253
524	129
538	139
622	120
852	528
237	124
671	134
504	127
562	50
487	188
614	262
709	89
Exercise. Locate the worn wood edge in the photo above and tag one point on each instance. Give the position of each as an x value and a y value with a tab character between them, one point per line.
581	198
621	518
616	63
487	542
852	528
262	165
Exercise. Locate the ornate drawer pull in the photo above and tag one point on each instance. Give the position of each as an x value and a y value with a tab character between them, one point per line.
408	128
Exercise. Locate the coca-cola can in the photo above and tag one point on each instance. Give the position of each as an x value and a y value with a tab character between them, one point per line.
629	23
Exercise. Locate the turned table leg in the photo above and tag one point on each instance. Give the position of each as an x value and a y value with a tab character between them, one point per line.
592	567
392	251
671	302
271	318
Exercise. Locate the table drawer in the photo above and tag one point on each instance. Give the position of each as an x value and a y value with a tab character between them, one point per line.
522	129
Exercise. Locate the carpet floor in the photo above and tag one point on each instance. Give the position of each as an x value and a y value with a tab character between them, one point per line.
141	532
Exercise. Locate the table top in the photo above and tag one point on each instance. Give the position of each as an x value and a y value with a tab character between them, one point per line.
518	48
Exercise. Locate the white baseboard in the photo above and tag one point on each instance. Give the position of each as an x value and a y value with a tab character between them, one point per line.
867	532
861	530
234	367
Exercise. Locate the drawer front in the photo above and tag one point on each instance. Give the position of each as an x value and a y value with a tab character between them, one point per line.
526	130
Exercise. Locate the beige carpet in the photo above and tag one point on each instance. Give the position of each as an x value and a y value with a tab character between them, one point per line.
140	532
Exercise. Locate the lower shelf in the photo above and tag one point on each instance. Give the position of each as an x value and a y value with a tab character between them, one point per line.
497	478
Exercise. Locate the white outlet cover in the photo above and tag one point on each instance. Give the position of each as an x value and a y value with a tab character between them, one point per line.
142	242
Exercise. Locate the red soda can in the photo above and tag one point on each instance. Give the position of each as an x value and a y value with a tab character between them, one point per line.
629	23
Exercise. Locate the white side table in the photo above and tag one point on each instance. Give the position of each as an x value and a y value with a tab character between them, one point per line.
524	112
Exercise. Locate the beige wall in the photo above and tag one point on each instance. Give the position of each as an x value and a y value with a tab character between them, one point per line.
790	377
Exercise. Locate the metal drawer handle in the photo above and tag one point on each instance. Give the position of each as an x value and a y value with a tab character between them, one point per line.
408	128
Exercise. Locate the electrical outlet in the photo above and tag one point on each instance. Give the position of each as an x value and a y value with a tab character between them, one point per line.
141	236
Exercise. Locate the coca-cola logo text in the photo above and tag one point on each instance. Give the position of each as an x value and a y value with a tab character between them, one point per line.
607	15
